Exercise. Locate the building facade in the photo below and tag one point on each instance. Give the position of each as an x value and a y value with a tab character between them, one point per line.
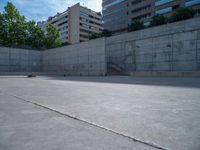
144	10
117	14
75	24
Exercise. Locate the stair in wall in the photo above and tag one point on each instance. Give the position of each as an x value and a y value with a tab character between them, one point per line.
114	69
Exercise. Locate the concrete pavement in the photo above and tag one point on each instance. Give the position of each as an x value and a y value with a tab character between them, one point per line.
156	112
24	126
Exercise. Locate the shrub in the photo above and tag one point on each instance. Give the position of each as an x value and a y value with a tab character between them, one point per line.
136	25
182	14
106	33
93	35
158	20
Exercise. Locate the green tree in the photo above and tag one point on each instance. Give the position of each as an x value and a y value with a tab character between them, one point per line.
13	26
52	39
36	37
15	31
158	20
136	25
182	14
1	29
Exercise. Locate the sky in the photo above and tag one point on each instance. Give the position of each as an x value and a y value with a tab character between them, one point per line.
39	10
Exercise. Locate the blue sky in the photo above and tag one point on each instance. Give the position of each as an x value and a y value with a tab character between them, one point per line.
41	9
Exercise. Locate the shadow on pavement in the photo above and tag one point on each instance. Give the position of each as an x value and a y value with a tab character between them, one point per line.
156	81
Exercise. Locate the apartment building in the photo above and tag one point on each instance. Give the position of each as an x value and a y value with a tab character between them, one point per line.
142	10
75	24
145	9
115	15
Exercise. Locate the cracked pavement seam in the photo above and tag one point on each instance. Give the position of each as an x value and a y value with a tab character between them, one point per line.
86	122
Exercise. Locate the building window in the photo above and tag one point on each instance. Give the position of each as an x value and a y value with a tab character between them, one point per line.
84	14
84	25
97	18
136	2
142	17
192	3
161	2
114	10
83	19
163	11
60	24
121	15
117	25
86	31
111	4
141	9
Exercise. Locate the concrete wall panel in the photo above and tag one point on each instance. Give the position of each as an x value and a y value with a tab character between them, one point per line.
171	47
19	60
87	58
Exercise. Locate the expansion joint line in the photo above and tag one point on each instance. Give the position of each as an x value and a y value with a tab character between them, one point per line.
89	123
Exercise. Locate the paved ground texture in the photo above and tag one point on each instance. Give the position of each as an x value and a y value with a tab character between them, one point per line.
99	113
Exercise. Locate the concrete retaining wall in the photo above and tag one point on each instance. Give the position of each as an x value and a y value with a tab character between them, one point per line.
19	60
168	48
86	58
171	47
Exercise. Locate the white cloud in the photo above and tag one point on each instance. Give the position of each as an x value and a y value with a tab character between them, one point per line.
42	9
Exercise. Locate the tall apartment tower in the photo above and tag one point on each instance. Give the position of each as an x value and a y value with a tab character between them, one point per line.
144	10
117	14
75	23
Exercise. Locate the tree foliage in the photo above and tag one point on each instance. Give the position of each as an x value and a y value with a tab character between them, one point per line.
182	14
136	25
93	35
177	15
1	29
15	31
104	33
52	37
157	20
13	25
35	37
